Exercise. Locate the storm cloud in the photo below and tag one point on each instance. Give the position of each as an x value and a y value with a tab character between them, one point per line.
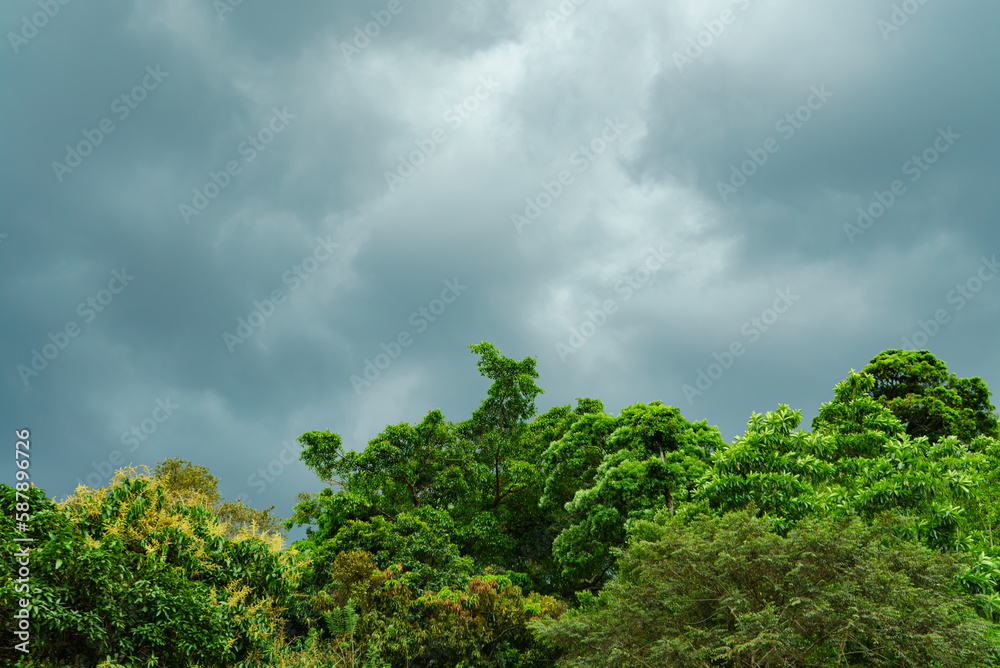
228	223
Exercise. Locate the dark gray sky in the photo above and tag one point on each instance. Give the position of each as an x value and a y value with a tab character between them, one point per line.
215	216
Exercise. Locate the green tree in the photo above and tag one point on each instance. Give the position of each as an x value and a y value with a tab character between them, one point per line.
651	459
727	591
191	484
402	468
482	471
878	467
540	524
860	425
773	465
500	464
917	387
571	462
121	573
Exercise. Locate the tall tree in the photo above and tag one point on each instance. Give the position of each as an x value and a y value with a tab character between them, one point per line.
774	465
917	387
401	469
652	459
499	518
482	471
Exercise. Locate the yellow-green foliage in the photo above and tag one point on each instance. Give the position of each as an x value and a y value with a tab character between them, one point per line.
134	573
192	484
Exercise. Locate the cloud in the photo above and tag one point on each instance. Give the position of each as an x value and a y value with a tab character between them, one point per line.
510	96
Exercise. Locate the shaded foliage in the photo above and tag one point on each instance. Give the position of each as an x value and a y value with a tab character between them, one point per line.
727	591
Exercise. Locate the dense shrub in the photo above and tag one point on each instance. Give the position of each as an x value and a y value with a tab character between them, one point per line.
119	573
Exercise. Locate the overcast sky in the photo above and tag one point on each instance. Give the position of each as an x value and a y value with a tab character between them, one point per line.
228	223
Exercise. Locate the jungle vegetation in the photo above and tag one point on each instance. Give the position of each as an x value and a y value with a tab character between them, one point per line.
573	537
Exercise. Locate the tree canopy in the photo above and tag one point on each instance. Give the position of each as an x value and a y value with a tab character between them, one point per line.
571	537
929	401
728	591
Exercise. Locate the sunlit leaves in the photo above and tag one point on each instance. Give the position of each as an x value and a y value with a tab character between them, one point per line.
131	571
651	459
930	401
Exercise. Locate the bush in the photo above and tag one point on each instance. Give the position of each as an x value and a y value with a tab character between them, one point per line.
119	574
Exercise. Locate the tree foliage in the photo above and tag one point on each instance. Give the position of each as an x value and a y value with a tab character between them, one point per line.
190	484
652	457
572	537
482	471
774	466
123	574
728	591
929	401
